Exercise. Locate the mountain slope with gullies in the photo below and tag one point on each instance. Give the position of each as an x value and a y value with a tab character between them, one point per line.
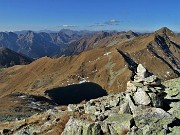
101	39
10	58
159	50
109	66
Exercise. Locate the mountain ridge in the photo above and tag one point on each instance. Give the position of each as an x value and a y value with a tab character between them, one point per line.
37	45
10	58
96	64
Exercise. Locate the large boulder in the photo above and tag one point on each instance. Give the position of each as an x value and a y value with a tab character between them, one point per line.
120	122
153	120
81	127
173	97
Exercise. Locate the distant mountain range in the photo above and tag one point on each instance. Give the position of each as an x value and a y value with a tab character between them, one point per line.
10	58
63	43
41	44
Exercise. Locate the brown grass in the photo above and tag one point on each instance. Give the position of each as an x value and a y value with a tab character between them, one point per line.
62	108
124	131
59	127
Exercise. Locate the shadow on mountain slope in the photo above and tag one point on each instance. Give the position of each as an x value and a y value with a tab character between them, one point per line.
74	94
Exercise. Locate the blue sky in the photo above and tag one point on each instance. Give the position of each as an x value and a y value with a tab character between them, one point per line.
137	15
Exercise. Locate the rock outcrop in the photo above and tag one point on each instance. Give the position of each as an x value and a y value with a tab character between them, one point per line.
146	108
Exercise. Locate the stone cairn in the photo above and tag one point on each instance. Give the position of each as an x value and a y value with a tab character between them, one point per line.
144	90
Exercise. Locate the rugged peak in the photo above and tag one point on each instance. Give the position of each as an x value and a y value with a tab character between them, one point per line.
30	33
130	32
165	31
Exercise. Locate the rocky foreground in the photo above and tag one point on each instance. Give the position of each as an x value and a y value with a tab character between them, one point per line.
147	107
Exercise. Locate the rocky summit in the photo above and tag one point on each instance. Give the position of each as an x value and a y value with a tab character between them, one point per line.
146	107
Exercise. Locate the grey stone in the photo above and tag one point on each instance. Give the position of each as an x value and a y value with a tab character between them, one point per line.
114	102
125	108
81	127
141	97
90	109
156	102
141	70
120	122
152	120
132	106
141	74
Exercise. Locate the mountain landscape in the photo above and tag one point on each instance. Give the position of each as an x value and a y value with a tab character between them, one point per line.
36	45
47	76
10	58
89	67
158	52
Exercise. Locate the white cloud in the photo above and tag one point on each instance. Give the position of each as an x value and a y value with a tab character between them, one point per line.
112	22
69	26
109	22
98	25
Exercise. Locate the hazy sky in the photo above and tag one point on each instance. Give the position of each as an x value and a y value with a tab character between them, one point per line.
137	15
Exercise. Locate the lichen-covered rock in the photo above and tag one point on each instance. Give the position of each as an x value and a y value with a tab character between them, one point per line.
153	120
120	122
173	96
175	130
81	127
172	89
155	100
90	109
175	109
